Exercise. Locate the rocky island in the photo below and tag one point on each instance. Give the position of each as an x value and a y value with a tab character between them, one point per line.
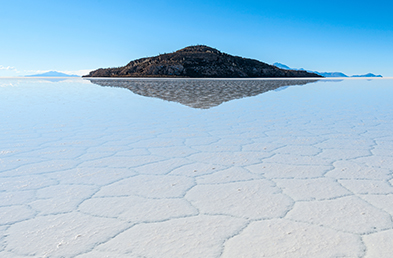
198	62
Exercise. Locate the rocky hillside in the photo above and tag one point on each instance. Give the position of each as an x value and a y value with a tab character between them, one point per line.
198	62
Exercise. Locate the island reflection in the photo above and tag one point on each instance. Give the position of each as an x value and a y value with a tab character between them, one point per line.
202	94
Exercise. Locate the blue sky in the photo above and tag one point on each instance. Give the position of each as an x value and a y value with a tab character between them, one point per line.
354	37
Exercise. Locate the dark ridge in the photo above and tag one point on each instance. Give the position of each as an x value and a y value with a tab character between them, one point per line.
198	62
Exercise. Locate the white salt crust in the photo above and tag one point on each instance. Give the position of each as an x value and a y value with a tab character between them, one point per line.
89	171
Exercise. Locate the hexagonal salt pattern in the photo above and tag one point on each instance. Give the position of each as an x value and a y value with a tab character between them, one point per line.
379	244
62	235
349	214
284	238
89	171
255	199
197	236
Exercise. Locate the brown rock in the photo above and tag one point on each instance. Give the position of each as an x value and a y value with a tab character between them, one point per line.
198	62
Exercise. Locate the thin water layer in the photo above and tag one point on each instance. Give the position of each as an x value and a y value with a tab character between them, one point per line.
196	168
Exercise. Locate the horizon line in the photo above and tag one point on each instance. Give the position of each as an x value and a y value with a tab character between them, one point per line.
248	78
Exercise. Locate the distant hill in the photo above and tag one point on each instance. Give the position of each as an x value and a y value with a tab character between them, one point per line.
332	74
52	74
325	74
198	62
367	75
282	66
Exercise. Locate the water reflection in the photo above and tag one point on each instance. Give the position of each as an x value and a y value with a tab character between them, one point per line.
201	94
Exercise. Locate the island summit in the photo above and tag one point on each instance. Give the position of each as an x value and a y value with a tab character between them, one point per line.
198	62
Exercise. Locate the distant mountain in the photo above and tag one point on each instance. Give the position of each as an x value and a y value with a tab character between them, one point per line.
324	74
332	74
367	75
198	62
52	74
282	66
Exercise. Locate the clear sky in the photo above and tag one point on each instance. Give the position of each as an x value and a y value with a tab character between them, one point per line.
76	36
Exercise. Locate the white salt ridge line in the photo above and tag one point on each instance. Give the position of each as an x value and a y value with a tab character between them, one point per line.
300	150
257	199
15	213
276	170
343	154
350	170
61	199
135	209
383	202
376	161
92	176
43	167
196	169
297	160
230	175
184	237
169	152
368	186
122	162
79	232
56	153
150	186
379	244
162	167
16	197
26	183
283	238
312	189
347	214
230	158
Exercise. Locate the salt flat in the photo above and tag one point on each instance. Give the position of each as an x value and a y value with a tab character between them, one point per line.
293	169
